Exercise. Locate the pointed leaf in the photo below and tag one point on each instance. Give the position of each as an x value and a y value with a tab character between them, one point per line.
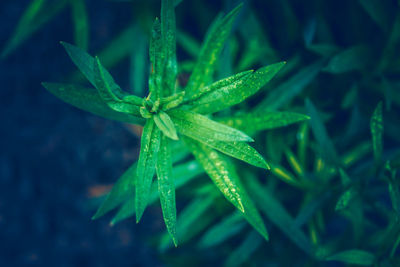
211	49
263	121
149	146
121	191
80	19
354	58
359	257
376	125
165	124
229	96
166	187
193	124
108	91
88	99
224	175
168	30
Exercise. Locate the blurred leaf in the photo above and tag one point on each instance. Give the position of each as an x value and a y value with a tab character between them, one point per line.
210	50
168	30
149	146
81	24
166	187
111	93
376	125
88	99
262	121
244	251
278	215
376	9
228	96
119	193
354	58
322	49
220	232
165	124
326	146
284	93
139	63
188	43
345	199
200	127
35	16
359	257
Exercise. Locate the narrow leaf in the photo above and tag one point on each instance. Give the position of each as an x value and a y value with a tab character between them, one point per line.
193	124
376	125
376	9
119	193
229	96
351	59
168	31
165	124
157	57
149	146
244	251
88	99
81	24
108	91
263	121
211	49
166	187
217	167
359	257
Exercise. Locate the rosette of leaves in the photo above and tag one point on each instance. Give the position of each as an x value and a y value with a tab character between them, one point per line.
171	112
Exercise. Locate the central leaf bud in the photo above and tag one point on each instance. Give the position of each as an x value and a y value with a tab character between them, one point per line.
150	108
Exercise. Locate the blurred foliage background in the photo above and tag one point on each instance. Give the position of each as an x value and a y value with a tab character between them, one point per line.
331	199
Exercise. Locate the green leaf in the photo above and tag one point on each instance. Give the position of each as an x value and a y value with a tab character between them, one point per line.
244	251
139	63
182	174
345	199
119	193
376	125
35	16
86	63
359	257
149	146
376	9
195	125
263	121
168	31
166	187
88	99
229	96
326	146
81	24
221	85
222	231
224	175
188	43
285	92
217	170
165	124
354	58
277	214
157	58
110	92
210	50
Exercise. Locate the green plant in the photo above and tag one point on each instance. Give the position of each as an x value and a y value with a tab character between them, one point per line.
171	109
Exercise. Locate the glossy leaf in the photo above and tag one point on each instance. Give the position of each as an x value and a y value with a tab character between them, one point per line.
34	17
166	187
195	125
168	31
263	121
149	146
88	99
210	50
110	92
165	124
157	58
81	24
376	125
228	96
359	257
121	191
